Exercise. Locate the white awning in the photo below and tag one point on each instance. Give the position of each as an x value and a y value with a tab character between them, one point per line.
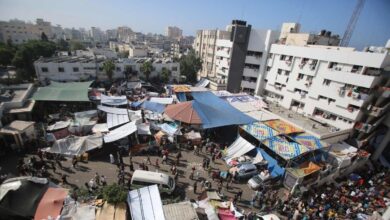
238	148
202	83
119	116
58	125
145	204
74	145
121	132
113	100
114	120
143	129
121	111
100	128
164	101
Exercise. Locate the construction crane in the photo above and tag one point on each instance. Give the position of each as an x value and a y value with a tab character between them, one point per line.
352	23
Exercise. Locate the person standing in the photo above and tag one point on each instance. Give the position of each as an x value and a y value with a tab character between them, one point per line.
219	189
103	180
112	160
196	150
74	161
148	161
239	194
131	166
157	164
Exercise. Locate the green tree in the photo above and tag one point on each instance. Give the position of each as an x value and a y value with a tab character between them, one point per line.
190	64
29	52
76	45
114	194
63	45
7	53
109	67
147	68
165	75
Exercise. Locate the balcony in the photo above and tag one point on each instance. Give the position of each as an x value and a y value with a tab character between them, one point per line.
285	64
377	111
248	84
253	59
251	72
350	78
217	84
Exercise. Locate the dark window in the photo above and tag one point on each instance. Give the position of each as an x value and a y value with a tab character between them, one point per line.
174	68
45	69
326	82
279	71
268	68
75	69
61	69
118	69
332	64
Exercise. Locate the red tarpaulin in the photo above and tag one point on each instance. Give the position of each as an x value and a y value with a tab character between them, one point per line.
183	112
51	203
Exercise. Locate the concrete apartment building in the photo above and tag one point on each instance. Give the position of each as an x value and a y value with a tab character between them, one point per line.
235	58
174	32
75	68
19	31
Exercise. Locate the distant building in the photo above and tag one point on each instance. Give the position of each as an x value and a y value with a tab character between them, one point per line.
137	50
78	68
19	31
124	34
174	32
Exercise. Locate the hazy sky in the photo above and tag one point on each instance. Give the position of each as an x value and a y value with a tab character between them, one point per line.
373	27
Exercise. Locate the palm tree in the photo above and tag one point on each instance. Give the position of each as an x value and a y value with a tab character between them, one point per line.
147	68
165	74
109	67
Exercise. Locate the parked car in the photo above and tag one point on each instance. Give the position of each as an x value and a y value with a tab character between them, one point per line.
259	180
244	171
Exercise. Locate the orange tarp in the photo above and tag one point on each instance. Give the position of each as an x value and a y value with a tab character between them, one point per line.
51	203
282	127
183	112
181	88
311	168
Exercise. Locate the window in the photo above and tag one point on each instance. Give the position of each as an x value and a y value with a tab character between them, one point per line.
174	68
309	78
279	71
300	76
286	73
355	68
282	57
45	69
61	69
75	69
326	82
118	69
331	65
268	68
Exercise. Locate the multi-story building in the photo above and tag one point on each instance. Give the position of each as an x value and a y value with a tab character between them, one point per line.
234	59
97	35
75	68
124	34
19	31
335	85
137	50
205	47
174	32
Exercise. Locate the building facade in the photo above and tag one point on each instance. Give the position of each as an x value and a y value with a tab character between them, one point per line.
74	68
334	85
174	32
20	32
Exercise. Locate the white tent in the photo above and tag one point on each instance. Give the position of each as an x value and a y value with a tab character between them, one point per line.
58	125
73	145
121	132
119	116
145	204
164	101
238	148
113	100
100	128
143	128
114	120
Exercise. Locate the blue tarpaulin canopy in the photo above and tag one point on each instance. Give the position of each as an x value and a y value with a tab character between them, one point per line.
181	96
215	112
153	106
273	166
136	104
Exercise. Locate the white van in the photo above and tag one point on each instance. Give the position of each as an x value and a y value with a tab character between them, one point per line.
141	178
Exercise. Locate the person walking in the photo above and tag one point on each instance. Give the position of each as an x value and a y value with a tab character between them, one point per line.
195	186
164	159
157	164
196	150
74	162
103	180
131	166
148	161
239	194
219	189
63	179
112	160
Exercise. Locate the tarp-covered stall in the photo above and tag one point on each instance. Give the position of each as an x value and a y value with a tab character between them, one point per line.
285	149
113	100
75	146
282	127
145	204
154	106
164	100
260	131
51	203
238	148
63	92
309	141
120	132
184	112
20	197
215	112
180	211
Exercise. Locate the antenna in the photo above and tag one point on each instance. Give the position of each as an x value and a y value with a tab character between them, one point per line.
352	23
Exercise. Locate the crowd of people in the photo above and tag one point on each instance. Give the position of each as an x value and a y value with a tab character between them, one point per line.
359	196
